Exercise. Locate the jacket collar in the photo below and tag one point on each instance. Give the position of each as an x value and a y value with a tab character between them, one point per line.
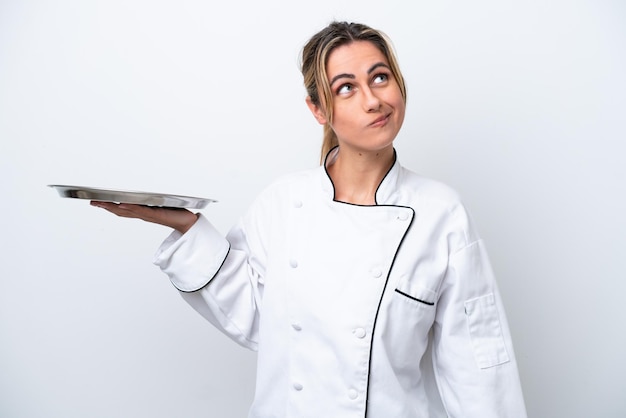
385	189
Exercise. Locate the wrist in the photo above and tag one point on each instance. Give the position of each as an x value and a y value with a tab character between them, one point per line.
186	222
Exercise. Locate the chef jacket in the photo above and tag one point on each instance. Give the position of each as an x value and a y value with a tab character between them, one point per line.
342	301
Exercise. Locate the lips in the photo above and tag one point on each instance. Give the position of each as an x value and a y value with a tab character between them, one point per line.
381	121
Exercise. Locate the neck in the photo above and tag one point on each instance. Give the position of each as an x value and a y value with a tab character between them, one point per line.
356	175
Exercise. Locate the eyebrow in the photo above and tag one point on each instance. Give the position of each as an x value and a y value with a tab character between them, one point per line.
352	76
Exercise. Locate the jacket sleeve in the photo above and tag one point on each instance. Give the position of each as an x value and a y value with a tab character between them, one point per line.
473	353
219	277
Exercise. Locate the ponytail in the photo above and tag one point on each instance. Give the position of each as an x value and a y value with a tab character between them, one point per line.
329	141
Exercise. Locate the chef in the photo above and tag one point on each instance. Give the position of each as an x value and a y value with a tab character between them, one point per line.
346	277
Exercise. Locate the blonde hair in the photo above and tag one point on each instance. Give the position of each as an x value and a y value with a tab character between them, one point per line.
315	57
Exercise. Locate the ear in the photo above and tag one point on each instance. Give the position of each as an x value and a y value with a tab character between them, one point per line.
317	112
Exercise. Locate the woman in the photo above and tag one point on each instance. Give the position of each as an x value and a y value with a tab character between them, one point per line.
341	275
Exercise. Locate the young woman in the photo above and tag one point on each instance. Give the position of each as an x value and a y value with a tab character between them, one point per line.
341	276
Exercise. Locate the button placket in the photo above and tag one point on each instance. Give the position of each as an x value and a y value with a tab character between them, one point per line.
293	260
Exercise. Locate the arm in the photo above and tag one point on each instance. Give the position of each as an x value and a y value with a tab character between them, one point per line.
221	283
218	277
473	353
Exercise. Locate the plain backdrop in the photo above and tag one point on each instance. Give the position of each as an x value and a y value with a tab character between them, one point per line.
519	105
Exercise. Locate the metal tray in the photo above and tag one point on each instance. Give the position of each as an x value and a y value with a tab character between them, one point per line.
126	196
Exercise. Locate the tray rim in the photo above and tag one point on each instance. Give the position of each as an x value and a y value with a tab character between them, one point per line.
133	196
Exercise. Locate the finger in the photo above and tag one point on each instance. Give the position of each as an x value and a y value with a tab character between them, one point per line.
124	209
178	218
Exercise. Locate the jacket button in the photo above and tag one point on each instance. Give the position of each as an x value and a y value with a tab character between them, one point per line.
297	386
297	204
296	326
377	273
293	263
403	216
359	333
353	394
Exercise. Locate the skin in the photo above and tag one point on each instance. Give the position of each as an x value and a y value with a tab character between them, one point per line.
368	111
178	219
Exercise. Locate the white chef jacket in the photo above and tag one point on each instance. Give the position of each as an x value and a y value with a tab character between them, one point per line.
340	300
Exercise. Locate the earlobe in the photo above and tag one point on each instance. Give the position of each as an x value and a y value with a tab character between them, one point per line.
317	112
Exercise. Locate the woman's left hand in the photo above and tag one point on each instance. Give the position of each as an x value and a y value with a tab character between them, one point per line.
179	219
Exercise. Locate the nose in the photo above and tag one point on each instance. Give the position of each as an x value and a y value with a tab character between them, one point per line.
371	102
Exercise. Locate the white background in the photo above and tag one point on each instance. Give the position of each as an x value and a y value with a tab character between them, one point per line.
520	106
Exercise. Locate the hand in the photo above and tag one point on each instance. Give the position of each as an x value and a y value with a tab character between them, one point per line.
179	219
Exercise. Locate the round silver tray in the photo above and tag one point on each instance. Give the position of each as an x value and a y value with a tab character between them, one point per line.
127	196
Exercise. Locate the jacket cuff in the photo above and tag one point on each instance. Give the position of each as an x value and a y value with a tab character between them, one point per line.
192	259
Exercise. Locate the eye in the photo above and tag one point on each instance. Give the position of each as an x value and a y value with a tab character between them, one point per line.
344	89
380	78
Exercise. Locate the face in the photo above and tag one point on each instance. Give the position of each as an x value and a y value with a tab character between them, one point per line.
368	108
